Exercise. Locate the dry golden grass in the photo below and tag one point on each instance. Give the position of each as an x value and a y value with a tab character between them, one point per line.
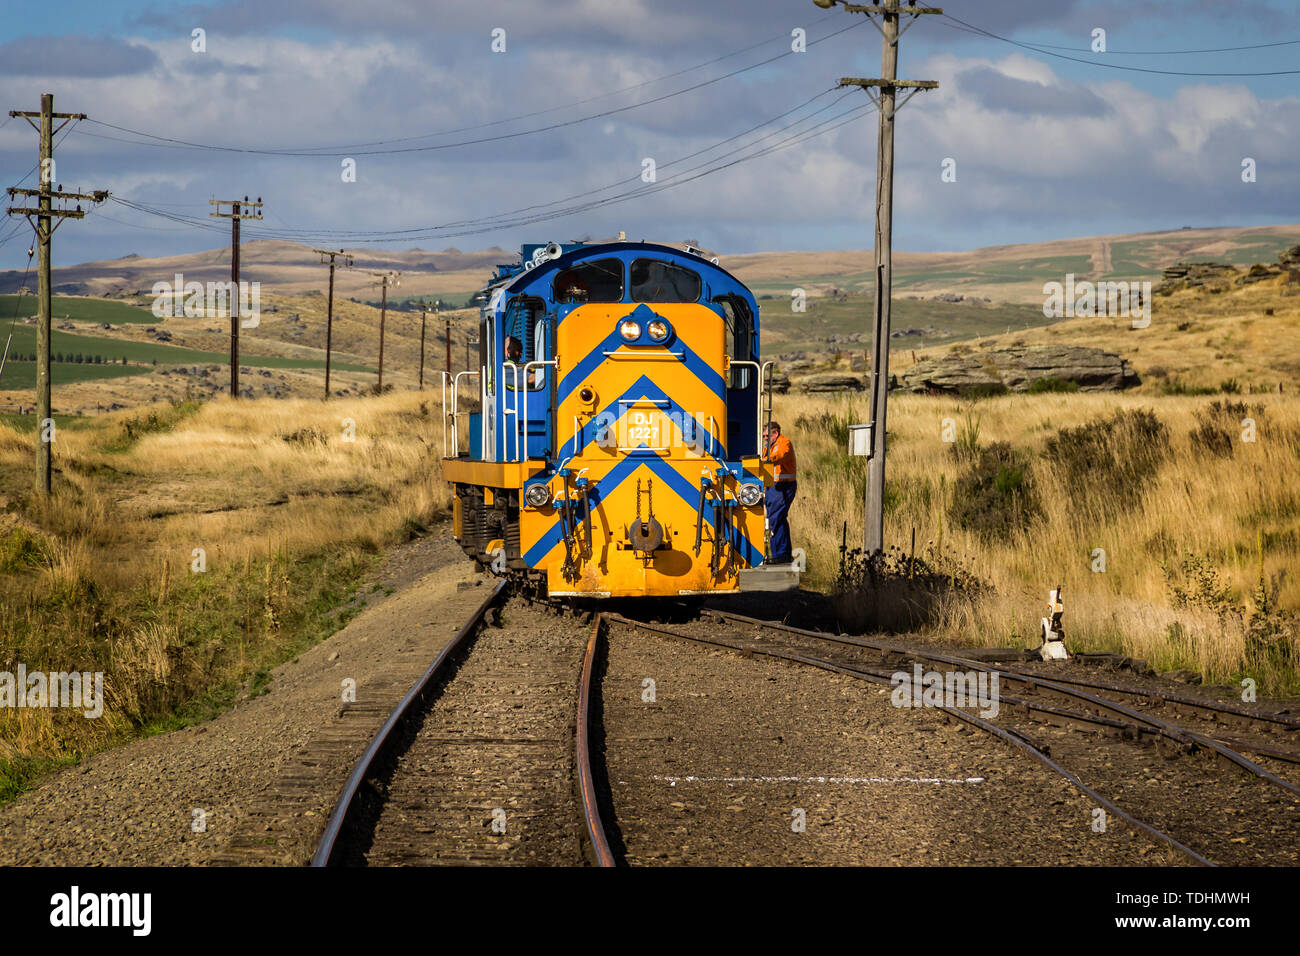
286	501
1227	511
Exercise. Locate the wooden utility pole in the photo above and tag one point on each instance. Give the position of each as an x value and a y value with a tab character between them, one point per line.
45	218
385	279
888	85
239	209
424	312
329	315
447	337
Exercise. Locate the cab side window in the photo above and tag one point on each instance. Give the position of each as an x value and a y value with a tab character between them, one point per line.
739	338
486	353
654	280
600	280
524	331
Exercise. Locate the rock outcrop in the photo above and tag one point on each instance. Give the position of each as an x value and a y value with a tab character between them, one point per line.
1219	277
832	382
1017	368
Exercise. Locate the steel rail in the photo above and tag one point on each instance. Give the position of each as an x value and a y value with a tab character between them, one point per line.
596	835
347	796
1015	739
1215	706
1170	730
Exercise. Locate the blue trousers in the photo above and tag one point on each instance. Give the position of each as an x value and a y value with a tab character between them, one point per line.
778	499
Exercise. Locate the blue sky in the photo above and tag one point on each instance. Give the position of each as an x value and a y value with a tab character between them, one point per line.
1044	147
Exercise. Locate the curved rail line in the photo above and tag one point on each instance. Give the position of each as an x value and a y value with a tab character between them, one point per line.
347	797
1217	708
1180	735
596	834
1014	738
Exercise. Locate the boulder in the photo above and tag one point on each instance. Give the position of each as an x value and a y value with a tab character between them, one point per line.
952	374
833	382
1213	276
780	382
1016	368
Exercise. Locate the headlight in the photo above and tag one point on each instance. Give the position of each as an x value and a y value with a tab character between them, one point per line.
750	494
658	330
538	495
629	330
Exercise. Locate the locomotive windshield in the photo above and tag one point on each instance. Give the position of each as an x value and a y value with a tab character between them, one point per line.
598	281
654	280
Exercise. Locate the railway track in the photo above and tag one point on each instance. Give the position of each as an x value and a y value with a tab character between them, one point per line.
1148	775
1135	715
529	741
485	760
739	760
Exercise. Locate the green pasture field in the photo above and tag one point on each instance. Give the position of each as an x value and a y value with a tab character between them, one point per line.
78	309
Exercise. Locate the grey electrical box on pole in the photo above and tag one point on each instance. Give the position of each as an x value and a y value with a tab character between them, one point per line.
860	444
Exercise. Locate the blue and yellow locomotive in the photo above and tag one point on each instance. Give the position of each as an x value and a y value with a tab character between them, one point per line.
616	449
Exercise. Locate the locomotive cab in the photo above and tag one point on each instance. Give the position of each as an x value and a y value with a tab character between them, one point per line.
616	450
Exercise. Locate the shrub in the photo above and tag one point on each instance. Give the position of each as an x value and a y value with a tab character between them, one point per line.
994	496
1217	423
1051	384
21	550
834	424
309	435
1176	386
157	420
1110	459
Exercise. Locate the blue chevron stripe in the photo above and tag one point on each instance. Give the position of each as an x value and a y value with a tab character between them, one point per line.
710	377
642	388
664	471
702	370
589	363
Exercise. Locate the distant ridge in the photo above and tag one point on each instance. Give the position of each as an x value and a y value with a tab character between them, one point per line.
1007	273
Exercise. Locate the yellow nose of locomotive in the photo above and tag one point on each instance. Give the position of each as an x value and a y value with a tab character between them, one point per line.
648	506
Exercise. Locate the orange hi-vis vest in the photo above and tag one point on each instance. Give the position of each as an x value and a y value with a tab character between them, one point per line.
781	453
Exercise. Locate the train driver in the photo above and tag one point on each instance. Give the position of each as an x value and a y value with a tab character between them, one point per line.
515	358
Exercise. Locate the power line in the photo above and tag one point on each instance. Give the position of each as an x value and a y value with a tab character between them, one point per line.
57	144
1109	66
504	216
171	143
18	298
432	232
1109	52
513	214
